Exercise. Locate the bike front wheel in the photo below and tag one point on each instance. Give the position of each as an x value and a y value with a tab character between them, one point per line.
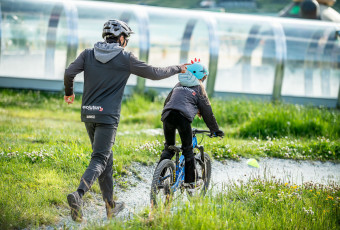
162	180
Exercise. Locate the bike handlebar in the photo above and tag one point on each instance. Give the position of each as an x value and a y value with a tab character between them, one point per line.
194	131
198	131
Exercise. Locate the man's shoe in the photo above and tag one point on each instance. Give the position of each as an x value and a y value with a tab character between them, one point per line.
75	203
112	209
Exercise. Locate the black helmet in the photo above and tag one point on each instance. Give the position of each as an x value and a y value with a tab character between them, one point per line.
114	28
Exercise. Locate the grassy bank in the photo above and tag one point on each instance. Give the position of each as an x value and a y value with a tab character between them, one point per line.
44	147
254	204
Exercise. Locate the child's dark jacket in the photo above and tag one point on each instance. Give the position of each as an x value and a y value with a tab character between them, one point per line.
188	101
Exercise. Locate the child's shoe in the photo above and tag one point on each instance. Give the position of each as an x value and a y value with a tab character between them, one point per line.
113	208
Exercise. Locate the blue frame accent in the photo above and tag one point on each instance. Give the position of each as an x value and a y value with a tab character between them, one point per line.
180	172
194	142
71	15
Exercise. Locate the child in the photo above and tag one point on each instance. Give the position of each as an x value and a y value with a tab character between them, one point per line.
185	100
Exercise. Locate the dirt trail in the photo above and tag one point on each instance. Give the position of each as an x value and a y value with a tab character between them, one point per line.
137	196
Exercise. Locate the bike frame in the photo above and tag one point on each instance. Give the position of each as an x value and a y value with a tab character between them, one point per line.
177	175
180	166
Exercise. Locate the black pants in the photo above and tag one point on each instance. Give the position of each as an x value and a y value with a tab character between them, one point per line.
176	121
102	137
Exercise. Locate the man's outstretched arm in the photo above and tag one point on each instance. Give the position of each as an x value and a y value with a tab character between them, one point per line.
144	70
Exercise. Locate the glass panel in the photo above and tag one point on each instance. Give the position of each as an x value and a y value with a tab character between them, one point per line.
247	56
199	43
61	48
247	46
310	70
166	32
24	29
92	16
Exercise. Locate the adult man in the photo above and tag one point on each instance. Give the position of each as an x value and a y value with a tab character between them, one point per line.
107	68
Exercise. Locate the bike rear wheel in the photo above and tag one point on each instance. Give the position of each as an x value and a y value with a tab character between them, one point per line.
203	175
162	180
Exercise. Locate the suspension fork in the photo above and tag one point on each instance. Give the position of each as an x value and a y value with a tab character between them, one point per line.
201	149
177	151
177	166
202	159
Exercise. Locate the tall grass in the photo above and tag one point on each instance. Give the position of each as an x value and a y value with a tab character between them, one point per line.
253	204
244	118
261	119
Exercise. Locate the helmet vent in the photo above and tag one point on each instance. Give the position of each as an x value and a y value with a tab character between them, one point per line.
115	28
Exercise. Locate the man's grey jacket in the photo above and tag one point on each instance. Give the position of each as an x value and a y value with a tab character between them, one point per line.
107	67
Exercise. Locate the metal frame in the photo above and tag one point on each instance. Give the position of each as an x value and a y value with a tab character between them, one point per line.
185	45
214	45
51	37
251	43
213	49
321	55
337	57
326	63
280	59
71	13
326	54
144	39
310	59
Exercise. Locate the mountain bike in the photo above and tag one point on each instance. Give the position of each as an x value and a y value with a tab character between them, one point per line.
168	177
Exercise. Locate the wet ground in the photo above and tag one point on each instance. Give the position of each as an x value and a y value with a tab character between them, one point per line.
137	195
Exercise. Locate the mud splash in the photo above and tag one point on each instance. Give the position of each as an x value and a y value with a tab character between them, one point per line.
137	195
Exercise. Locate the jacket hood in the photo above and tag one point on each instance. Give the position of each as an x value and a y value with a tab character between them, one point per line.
104	52
188	79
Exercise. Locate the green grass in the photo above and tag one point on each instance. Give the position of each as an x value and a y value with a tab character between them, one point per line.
254	204
44	148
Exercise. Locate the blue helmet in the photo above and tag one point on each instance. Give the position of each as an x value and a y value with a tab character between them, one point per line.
195	72
198	69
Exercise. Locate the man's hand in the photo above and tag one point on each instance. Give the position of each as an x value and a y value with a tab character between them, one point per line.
184	67
69	99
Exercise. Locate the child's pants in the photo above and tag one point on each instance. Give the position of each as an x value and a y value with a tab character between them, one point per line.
176	121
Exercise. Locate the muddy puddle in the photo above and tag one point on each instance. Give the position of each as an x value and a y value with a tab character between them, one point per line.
137	195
